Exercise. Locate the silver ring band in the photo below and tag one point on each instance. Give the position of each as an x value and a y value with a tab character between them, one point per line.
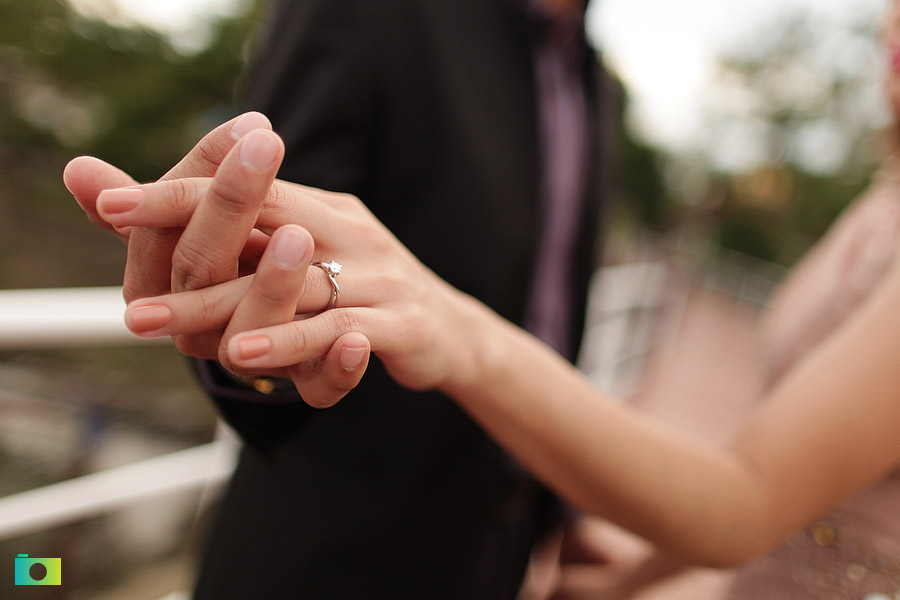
332	269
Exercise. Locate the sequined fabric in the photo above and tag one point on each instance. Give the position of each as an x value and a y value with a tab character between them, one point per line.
854	552
851	554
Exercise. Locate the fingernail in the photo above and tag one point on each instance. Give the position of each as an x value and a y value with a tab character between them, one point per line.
149	318
258	151
247	123
116	202
254	346
352	358
290	248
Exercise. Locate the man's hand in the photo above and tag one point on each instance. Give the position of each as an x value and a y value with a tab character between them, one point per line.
242	157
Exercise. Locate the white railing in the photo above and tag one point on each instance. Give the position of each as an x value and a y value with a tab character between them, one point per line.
55	318
102	492
81	317
627	306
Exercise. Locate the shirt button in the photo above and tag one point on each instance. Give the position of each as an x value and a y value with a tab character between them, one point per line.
263	385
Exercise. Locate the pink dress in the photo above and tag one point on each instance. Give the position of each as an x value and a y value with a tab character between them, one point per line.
853	552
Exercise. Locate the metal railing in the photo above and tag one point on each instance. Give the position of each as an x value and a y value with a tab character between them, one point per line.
63	317
81	317
102	492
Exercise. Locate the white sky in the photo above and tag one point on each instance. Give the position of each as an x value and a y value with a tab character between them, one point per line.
663	49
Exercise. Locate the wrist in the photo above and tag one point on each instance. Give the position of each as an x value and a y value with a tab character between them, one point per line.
481	352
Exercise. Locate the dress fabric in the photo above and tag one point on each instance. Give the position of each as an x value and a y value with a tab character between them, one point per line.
853	553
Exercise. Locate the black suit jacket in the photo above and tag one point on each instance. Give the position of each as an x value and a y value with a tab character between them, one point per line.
426	110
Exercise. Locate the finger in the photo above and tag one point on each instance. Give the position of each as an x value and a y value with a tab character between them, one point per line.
300	341
272	296
208	251
205	157
86	177
322	383
211	308
173	204
205	309
148	270
148	267
161	205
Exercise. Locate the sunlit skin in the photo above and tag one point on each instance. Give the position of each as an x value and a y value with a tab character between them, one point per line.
173	257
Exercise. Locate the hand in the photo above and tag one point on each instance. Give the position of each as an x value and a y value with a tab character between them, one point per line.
162	259
180	257
85	177
417	324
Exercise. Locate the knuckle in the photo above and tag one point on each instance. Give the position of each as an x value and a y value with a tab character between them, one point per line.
345	320
276	201
206	155
205	307
182	195
192	268
272	296
346	201
297	340
393	284
413	321
231	199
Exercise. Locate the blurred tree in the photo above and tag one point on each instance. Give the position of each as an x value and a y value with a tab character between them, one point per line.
800	99
640	180
72	84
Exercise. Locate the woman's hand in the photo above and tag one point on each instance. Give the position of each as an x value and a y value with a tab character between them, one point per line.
419	326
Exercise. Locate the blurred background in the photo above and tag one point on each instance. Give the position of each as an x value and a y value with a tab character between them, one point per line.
748	127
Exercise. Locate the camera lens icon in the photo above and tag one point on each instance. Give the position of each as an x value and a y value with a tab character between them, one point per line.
38	571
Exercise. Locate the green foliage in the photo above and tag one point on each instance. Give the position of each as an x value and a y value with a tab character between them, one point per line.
640	180
799	94
72	85
115	92
748	232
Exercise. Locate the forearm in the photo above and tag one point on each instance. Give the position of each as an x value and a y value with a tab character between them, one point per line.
691	498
